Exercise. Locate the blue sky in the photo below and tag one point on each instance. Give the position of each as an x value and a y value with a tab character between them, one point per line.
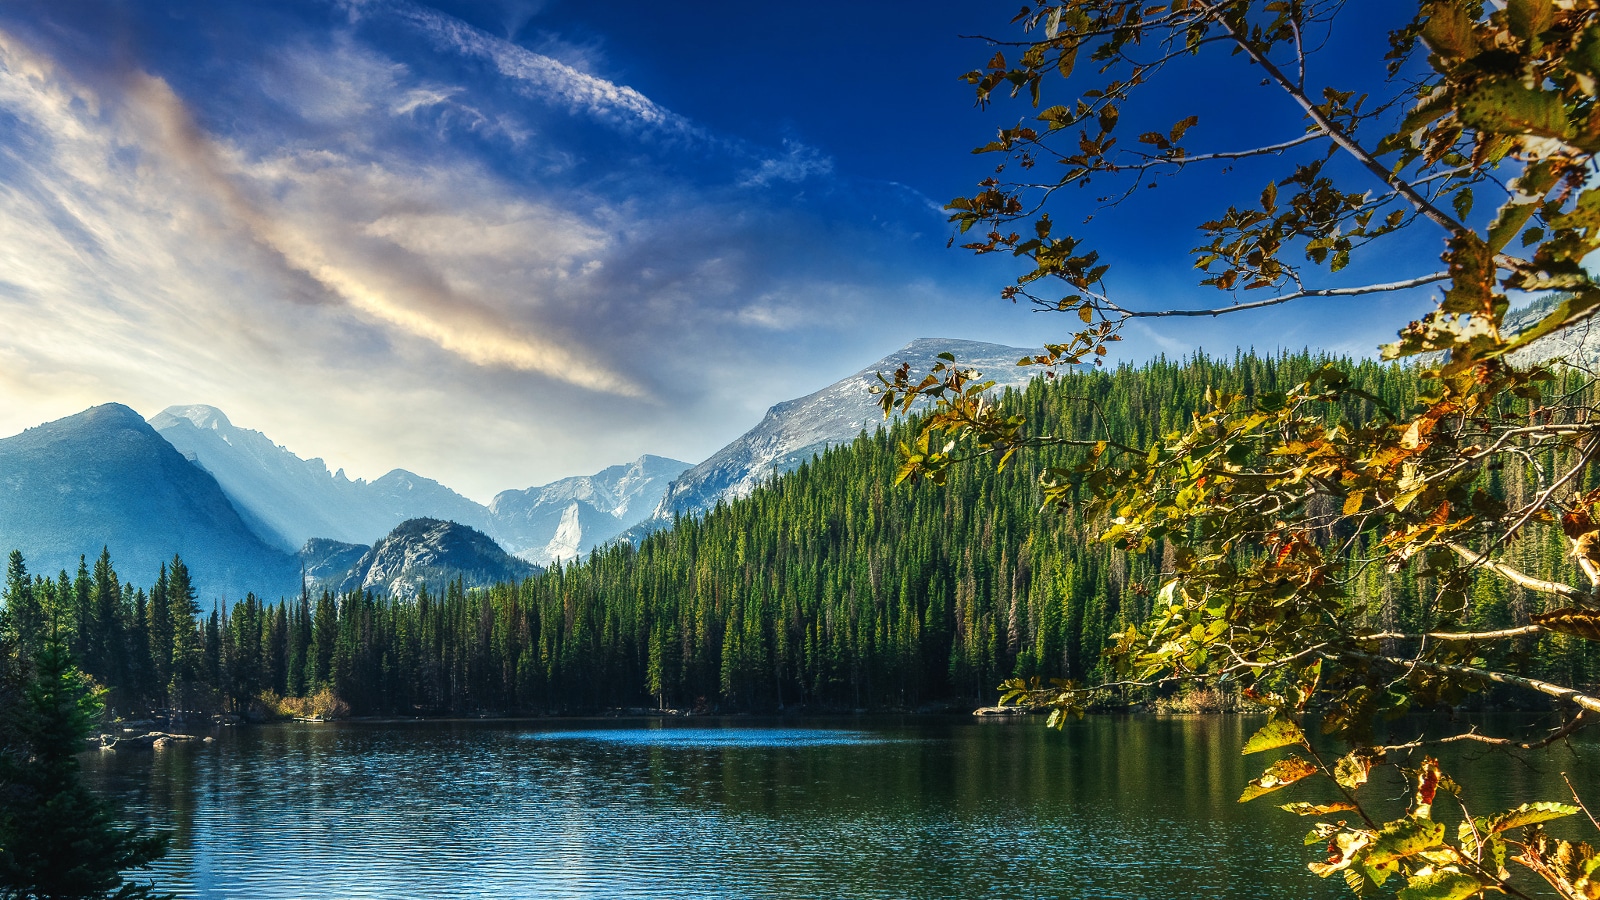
502	242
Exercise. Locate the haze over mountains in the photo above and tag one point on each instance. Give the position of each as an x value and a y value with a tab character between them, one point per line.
104	477
289	500
249	515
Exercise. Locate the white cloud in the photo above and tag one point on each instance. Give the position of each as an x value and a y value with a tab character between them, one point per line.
798	163
359	279
143	258
542	77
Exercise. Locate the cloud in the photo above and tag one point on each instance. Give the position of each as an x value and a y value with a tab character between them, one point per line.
394	263
401	289
798	163
539	76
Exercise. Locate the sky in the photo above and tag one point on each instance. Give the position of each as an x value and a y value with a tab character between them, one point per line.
503	242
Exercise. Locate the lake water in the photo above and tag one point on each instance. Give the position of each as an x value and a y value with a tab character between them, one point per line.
1140	807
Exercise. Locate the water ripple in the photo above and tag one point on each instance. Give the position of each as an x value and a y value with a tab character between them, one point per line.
1109	808
743	738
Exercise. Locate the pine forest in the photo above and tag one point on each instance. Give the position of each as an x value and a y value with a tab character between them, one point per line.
830	588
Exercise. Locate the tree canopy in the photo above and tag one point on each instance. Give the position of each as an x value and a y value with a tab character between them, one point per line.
1478	128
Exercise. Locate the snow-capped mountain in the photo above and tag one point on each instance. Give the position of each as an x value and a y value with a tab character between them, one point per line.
426	552
248	514
567	518
794	430
288	500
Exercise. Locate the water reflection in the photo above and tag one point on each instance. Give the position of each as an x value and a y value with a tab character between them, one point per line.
868	808
663	736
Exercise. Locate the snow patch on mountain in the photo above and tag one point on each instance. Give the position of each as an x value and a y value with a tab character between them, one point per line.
795	430
567	518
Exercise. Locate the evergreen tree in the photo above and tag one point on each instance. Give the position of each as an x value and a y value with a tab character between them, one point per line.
185	690
104	655
82	611
57	840
24	612
160	636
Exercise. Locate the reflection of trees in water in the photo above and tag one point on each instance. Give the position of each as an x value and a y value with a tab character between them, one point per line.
156	787
172	777
920	808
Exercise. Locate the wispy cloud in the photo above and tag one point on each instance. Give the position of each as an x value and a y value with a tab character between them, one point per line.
353	268
797	163
401	289
536	75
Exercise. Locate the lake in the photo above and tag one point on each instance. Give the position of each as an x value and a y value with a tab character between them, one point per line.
862	807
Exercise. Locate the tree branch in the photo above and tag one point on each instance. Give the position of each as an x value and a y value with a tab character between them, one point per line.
1419	281
1150	161
1575	724
1499	635
1474	558
1566	694
1336	134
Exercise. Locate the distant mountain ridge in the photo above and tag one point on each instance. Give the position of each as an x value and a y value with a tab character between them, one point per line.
290	500
105	478
793	431
250	515
564	519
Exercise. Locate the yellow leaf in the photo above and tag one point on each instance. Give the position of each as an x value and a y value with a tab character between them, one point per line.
1276	733
1282	773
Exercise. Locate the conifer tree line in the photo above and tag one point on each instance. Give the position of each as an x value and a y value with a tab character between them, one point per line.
828	588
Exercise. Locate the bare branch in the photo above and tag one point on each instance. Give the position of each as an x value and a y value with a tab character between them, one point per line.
1536	585
1542	499
1571	726
1579	800
1151	161
1419	281
1565	694
1499	635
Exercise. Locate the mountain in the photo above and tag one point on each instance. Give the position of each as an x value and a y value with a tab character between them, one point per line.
423	552
326	562
1577	344
567	518
106	478
794	430
288	500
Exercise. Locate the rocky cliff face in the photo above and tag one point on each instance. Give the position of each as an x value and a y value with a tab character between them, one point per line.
1576	345
567	518
426	552
793	431
327	563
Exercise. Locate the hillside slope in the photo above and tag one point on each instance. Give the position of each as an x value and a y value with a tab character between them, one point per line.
105	478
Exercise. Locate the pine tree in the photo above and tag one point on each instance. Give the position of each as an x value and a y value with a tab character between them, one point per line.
57	840
186	689
24	612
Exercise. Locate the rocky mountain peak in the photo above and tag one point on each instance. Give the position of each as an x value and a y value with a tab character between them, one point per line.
199	415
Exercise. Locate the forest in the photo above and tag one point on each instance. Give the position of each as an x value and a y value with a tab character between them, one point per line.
829	588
